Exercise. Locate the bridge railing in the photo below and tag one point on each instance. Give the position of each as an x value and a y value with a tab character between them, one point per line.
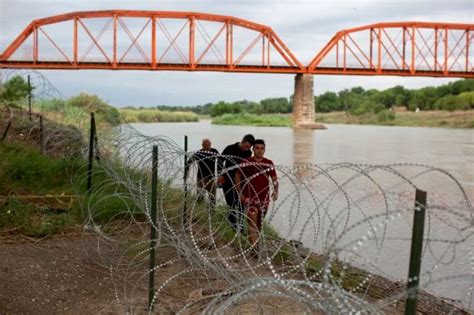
189	41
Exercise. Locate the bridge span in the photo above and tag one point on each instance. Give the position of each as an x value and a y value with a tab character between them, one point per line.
189	41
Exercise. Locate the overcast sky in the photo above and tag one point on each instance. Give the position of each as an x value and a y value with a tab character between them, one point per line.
304	25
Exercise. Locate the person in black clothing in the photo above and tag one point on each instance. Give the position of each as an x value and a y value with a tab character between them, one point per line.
231	157
206	159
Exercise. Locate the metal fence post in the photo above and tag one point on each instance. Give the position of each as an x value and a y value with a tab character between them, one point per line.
29	97
91	154
186	166
154	190
415	253
41	133
6	130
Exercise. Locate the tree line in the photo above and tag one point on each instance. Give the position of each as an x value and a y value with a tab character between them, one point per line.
457	95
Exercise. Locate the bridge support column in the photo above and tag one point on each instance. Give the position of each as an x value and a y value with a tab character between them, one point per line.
303	103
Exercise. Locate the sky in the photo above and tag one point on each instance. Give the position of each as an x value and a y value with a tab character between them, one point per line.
304	25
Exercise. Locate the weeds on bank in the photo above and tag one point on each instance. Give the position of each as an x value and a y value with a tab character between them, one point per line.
271	120
156	115
25	170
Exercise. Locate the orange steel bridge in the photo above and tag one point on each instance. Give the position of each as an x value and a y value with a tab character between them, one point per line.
189	41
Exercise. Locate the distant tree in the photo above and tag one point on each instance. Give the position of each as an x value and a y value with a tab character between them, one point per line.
276	105
358	90
467	98
247	106
400	94
448	102
461	86
387	98
349	99
14	91
328	102
93	103
366	106
222	108
463	101
423	99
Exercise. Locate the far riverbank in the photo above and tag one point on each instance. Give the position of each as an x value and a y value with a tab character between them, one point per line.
437	119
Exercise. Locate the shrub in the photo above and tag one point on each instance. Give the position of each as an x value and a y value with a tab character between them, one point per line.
155	115
93	103
14	91
453	102
367	106
385	116
222	108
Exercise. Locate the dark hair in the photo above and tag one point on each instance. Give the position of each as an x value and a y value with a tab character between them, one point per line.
259	141
249	138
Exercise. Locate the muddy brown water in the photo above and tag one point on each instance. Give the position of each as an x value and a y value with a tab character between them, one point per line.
449	149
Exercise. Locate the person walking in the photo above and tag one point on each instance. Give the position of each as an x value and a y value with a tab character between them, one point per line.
207	159
253	186
231	157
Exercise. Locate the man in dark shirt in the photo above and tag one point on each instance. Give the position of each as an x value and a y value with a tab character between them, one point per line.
207	161
231	158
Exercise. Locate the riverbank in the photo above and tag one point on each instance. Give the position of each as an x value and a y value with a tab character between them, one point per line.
436	119
156	115
244	119
81	273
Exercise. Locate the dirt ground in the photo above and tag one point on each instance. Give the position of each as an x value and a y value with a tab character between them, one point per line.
63	275
68	274
53	276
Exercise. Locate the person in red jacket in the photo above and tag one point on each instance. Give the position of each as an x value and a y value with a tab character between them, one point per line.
253	185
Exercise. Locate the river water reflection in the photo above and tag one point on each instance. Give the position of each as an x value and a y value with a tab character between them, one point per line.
448	149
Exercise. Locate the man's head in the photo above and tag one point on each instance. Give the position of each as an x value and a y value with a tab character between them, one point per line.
259	148
247	142
206	144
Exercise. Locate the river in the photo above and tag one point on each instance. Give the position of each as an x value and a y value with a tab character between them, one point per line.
449	266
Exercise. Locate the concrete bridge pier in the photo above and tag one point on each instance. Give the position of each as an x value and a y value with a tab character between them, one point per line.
303	103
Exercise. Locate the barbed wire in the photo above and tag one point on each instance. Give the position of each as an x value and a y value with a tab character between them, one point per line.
336	240
327	244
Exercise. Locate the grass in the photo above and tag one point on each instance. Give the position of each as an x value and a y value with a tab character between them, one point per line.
155	115
444	119
24	170
73	113
253	120
62	112
30	220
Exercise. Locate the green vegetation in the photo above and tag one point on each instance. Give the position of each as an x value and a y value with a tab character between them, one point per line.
32	186
359	105
458	95
14	92
75	110
92	103
155	115
252	119
27	219
24	170
445	119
